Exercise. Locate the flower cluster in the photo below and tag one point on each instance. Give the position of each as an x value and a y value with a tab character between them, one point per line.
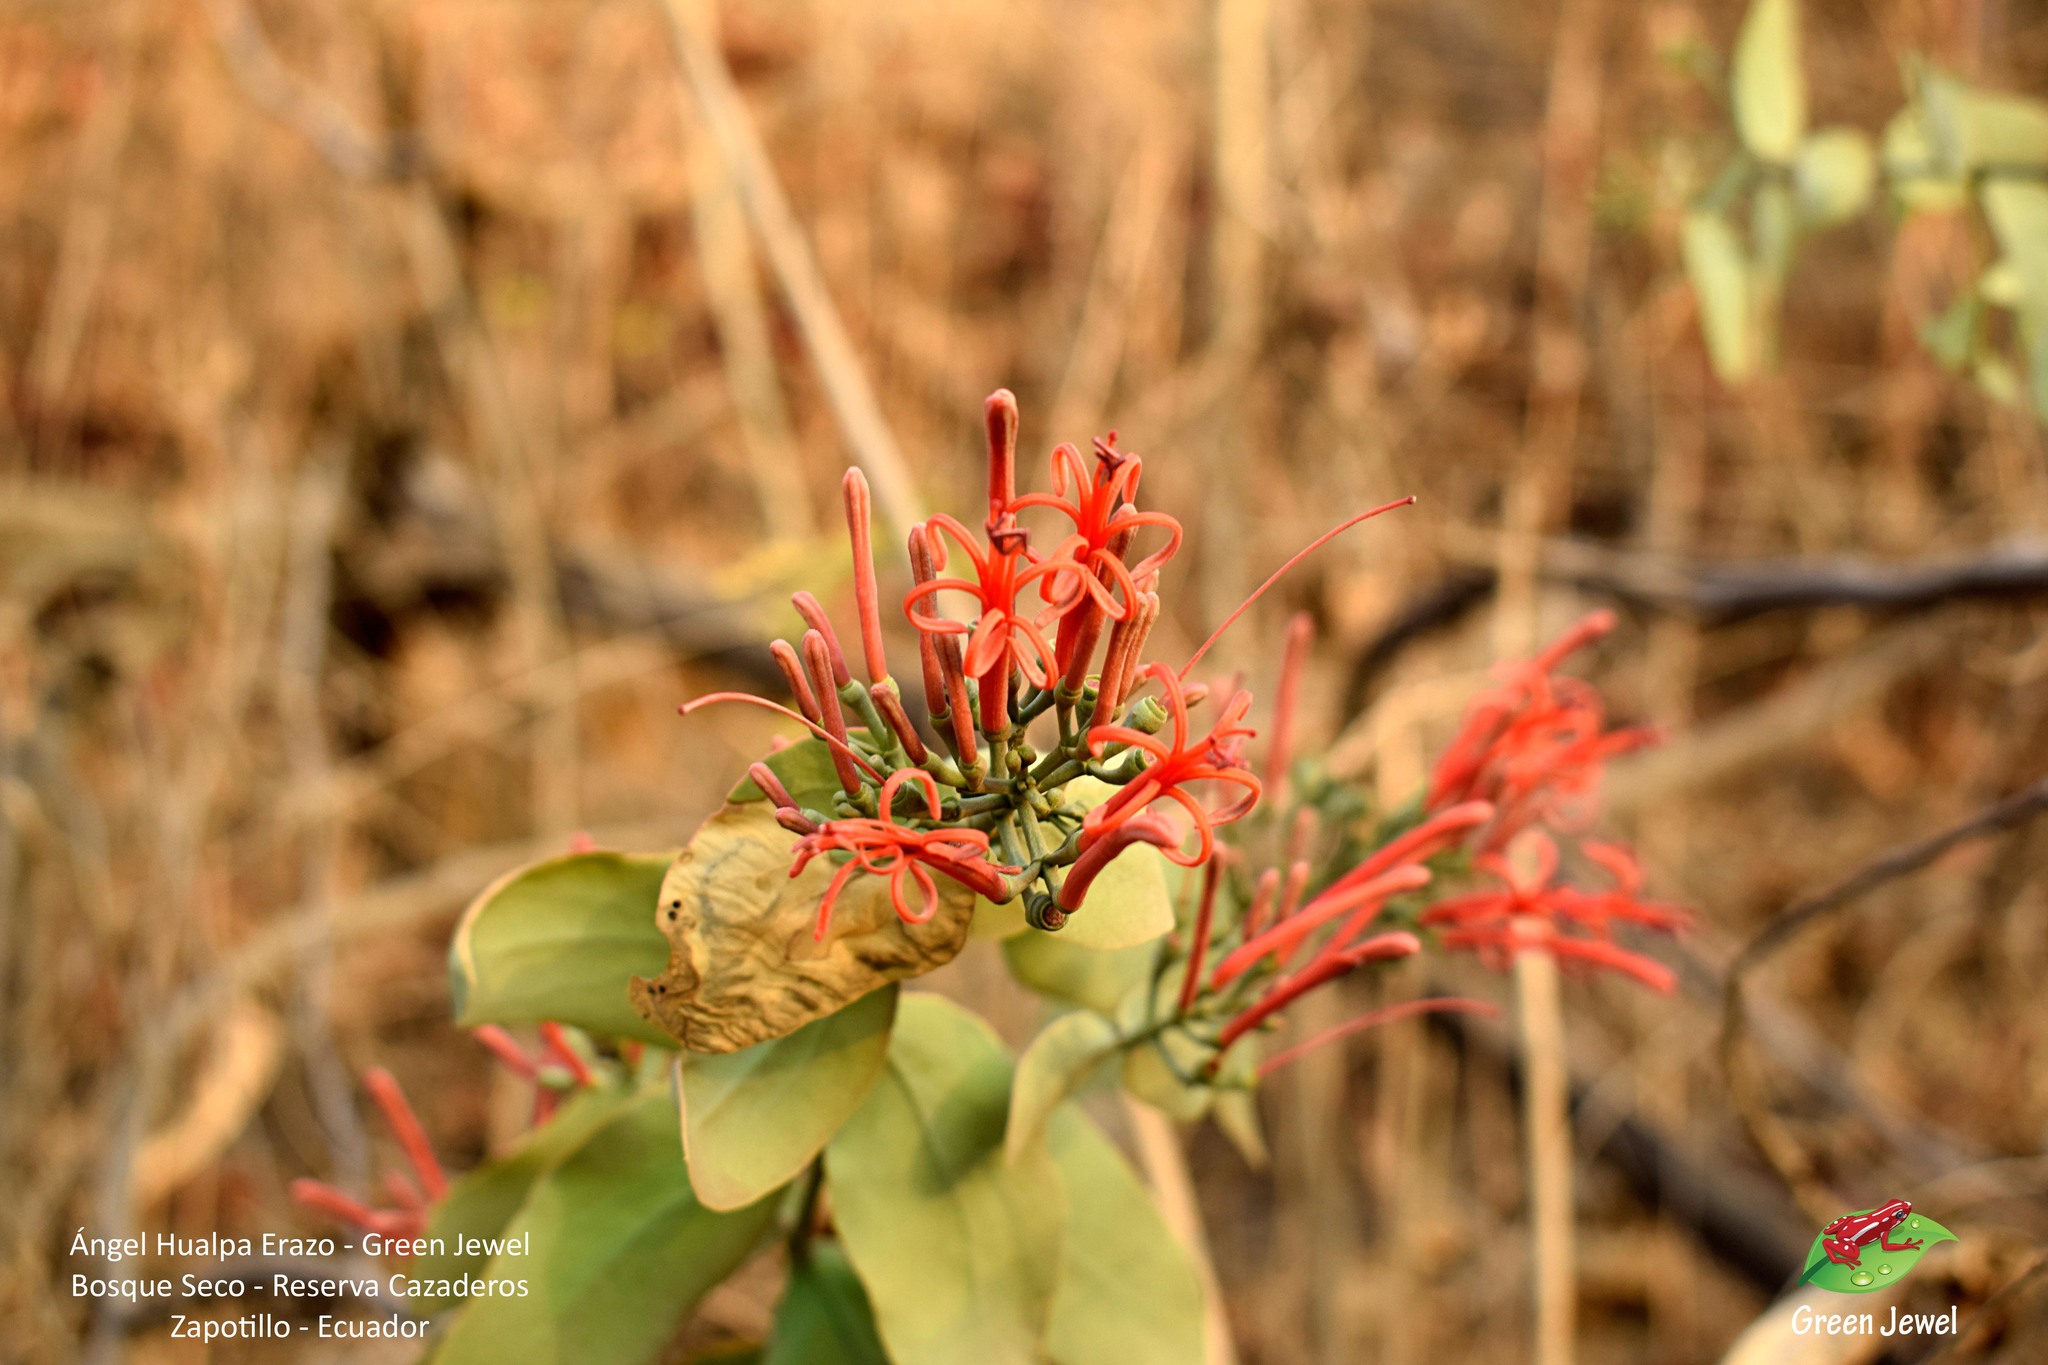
1523	769
1241	970
1534	747
559	1067
1044	682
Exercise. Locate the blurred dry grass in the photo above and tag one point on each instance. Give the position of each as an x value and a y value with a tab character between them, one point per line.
399	424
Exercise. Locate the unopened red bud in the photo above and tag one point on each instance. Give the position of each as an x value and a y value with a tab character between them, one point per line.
814	615
1000	415
859	529
818	659
891	708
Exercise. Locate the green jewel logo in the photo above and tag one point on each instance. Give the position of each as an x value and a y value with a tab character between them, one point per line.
1862	1252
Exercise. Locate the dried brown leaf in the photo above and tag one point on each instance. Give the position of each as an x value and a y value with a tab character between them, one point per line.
743	967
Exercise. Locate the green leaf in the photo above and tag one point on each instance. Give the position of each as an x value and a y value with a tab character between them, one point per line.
482	1202
753	1119
959	1250
992	921
1878	1268
2001	284
1237	1114
1981	130
1951	338
618	1250
1920	178
2018	213
561	939
1769	88
1050	965
1148	1075
1995	376
1128	1294
1052	1068
1833	176
1774	230
1720	275
824	1318
1128	903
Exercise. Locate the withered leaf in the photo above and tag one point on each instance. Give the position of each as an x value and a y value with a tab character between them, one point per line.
743	967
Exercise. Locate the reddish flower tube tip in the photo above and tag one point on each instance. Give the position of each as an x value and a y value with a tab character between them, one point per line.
999	415
1385	1014
506	1050
860	531
405	1126
1139	829
563	1051
814	616
792	667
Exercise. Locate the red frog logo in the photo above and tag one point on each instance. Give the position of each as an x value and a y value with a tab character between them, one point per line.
1844	1239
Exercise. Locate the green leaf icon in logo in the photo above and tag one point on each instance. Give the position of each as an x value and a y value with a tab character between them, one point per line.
1875	1268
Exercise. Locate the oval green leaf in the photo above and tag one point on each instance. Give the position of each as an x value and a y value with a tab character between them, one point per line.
1876	1268
1833	177
1129	902
959	1250
1128	1294
753	1119
1769	87
1052	1068
1078	976
481	1203
561	939
1237	1115
825	1318
616	1250
1720	275
1920	178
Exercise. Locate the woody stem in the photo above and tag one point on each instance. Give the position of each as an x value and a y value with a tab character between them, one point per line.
1546	1112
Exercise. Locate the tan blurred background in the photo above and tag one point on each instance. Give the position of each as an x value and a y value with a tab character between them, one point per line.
402	415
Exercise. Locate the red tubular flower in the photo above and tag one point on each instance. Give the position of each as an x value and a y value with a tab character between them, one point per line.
860	530
410	1219
1102	507
890	707
999	416
792	668
1100	853
1531	912
507	1051
1176	764
405	1126
560	1049
1385	1014
1003	636
945	678
1359	894
1326	967
1191	980
1286	699
814	616
1287	935
819	654
1126	643
1439	832
881	847
1534	745
1262	901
